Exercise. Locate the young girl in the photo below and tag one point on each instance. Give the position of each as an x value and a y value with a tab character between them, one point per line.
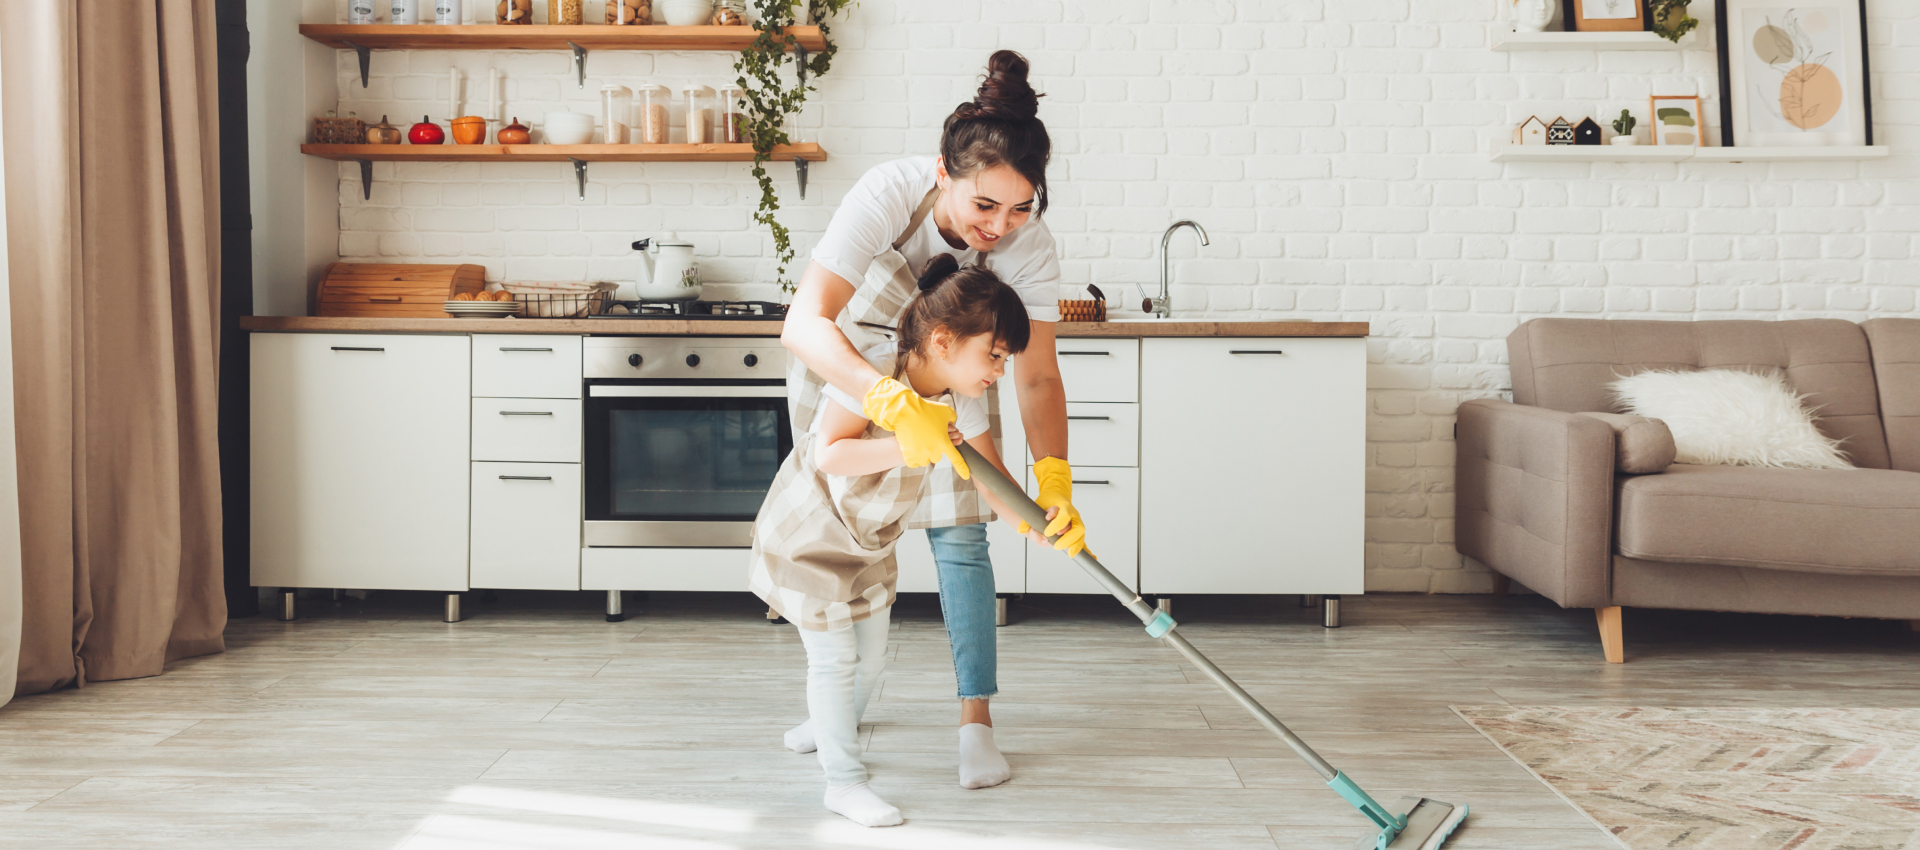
823	542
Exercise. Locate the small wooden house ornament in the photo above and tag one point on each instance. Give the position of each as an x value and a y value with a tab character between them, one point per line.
1532	131
1560	132
1587	132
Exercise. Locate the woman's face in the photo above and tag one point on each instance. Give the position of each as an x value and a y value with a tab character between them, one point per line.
985	206
970	365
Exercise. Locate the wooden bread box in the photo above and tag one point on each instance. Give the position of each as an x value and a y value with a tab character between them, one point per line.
394	291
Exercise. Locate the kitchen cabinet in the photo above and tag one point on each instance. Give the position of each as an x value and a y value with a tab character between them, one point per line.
1252	465
526	366
1109	501
526	526
359	461
537	430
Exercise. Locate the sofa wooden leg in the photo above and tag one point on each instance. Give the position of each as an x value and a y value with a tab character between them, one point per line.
1501	584
1611	640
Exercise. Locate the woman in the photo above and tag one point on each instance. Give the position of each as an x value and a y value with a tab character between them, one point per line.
979	201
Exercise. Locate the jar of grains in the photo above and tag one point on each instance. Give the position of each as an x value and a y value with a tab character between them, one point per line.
699	114
729	13
565	12
733	115
629	12
513	12
652	115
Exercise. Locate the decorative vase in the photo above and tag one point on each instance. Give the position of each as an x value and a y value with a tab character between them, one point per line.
1625	140
1531	15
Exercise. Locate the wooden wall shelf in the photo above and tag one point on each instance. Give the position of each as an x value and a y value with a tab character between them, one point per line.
579	155
1675	153
543	37
1508	42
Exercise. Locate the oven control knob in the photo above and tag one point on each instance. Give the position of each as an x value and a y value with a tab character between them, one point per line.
693	360
633	360
752	360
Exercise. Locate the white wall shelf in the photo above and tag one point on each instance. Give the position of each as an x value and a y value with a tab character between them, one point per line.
1507	41
1675	153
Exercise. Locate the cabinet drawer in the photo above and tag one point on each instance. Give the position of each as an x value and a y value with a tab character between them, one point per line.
538	430
529	366
526	526
1100	369
1109	500
1103	434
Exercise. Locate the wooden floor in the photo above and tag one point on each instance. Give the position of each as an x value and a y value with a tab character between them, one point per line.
534	724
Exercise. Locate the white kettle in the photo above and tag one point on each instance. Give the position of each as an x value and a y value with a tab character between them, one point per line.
668	277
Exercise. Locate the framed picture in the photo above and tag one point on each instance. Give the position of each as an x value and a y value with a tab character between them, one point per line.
1606	15
1677	120
1793	73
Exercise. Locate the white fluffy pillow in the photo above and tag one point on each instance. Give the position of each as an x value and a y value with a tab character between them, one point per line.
1730	417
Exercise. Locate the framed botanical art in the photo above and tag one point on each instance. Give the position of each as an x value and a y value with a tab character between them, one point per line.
1793	73
1677	120
1606	15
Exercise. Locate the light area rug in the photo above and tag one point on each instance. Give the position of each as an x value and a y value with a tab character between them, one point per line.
1725	778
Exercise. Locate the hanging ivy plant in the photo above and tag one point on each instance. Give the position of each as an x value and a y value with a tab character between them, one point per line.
1670	19
771	97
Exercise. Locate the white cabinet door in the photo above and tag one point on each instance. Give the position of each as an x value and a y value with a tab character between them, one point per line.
359	461
526	526
526	366
1103	434
1099	369
1252	466
1109	500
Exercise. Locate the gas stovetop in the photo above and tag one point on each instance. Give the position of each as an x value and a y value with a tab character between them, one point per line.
745	311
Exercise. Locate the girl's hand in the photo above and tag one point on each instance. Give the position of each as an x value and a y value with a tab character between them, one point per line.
954	435
1034	534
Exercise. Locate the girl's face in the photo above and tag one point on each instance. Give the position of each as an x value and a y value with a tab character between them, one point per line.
983	207
970	365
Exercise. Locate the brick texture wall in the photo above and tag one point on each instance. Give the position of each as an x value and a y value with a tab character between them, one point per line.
1334	149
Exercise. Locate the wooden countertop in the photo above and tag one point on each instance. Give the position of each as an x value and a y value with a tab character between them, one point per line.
694	327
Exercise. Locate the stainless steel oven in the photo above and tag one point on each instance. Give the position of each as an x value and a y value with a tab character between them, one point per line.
683	438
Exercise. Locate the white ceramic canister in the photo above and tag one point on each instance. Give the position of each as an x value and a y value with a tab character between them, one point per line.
447	12
406	11
360	11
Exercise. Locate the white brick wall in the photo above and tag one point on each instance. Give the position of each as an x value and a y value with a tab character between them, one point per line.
1333	149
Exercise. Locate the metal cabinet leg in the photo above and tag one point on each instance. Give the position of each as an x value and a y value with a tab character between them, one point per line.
1330	612
289	608
453	607
1165	604
616	608
999	610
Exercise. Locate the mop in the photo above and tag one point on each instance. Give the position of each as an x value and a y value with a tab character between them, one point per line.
1416	823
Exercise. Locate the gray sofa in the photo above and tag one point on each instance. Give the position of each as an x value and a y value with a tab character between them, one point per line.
1578	507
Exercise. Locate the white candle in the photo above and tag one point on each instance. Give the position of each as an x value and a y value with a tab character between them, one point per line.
493	86
453	93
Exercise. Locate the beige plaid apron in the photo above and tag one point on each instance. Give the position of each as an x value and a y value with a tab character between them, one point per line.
870	319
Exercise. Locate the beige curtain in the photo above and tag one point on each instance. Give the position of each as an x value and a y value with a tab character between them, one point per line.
9	489
110	127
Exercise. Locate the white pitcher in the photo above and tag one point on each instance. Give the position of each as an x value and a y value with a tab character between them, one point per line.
665	277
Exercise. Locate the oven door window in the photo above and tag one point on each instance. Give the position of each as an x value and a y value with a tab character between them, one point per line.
683	459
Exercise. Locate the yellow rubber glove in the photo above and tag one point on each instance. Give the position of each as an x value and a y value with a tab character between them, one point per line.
919	425
1056	489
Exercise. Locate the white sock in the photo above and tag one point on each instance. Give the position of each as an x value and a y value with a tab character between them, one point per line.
981	764
859	804
800	738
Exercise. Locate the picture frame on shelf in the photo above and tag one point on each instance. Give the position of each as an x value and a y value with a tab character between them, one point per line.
1794	75
1607	16
1676	120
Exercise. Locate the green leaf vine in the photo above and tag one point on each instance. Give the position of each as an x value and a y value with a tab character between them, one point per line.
771	97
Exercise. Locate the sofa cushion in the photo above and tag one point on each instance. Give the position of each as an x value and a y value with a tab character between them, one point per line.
1568	365
1641	444
1841	521
1896	366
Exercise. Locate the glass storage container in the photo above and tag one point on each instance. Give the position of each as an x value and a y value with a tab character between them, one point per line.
653	115
700	117
733	115
565	12
616	112
629	12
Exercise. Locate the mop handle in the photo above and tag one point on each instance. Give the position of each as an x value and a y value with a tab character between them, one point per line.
1023	507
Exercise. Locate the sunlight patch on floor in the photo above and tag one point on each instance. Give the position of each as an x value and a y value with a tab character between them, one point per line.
686	815
908	837
459	832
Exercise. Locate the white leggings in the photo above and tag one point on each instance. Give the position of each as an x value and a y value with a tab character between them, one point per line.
842	667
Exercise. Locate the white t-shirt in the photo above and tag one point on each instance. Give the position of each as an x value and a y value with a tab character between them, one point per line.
969	414
881	204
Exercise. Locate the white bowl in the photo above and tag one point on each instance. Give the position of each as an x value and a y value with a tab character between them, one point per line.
568	128
687	13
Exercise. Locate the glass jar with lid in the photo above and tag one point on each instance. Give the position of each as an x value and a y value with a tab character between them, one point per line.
733	115
653	114
566	12
699	106
729	13
616	104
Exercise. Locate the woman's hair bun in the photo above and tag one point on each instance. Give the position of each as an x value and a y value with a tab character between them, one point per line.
1004	95
937	270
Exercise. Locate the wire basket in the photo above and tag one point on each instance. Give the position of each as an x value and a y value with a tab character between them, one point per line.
563	305
339	131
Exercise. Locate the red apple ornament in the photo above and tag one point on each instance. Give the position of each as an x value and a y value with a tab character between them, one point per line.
426	133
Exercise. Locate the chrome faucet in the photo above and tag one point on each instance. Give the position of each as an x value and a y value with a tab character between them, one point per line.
1162	307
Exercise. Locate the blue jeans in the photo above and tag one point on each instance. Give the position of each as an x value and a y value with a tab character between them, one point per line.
966	602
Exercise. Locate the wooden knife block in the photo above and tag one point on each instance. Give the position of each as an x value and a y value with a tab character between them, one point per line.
394	291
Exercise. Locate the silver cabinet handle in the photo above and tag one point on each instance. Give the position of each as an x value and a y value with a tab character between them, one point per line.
1078	481
1101	418
1256	352
526	413
526	478
353	348
1085	353
547	350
